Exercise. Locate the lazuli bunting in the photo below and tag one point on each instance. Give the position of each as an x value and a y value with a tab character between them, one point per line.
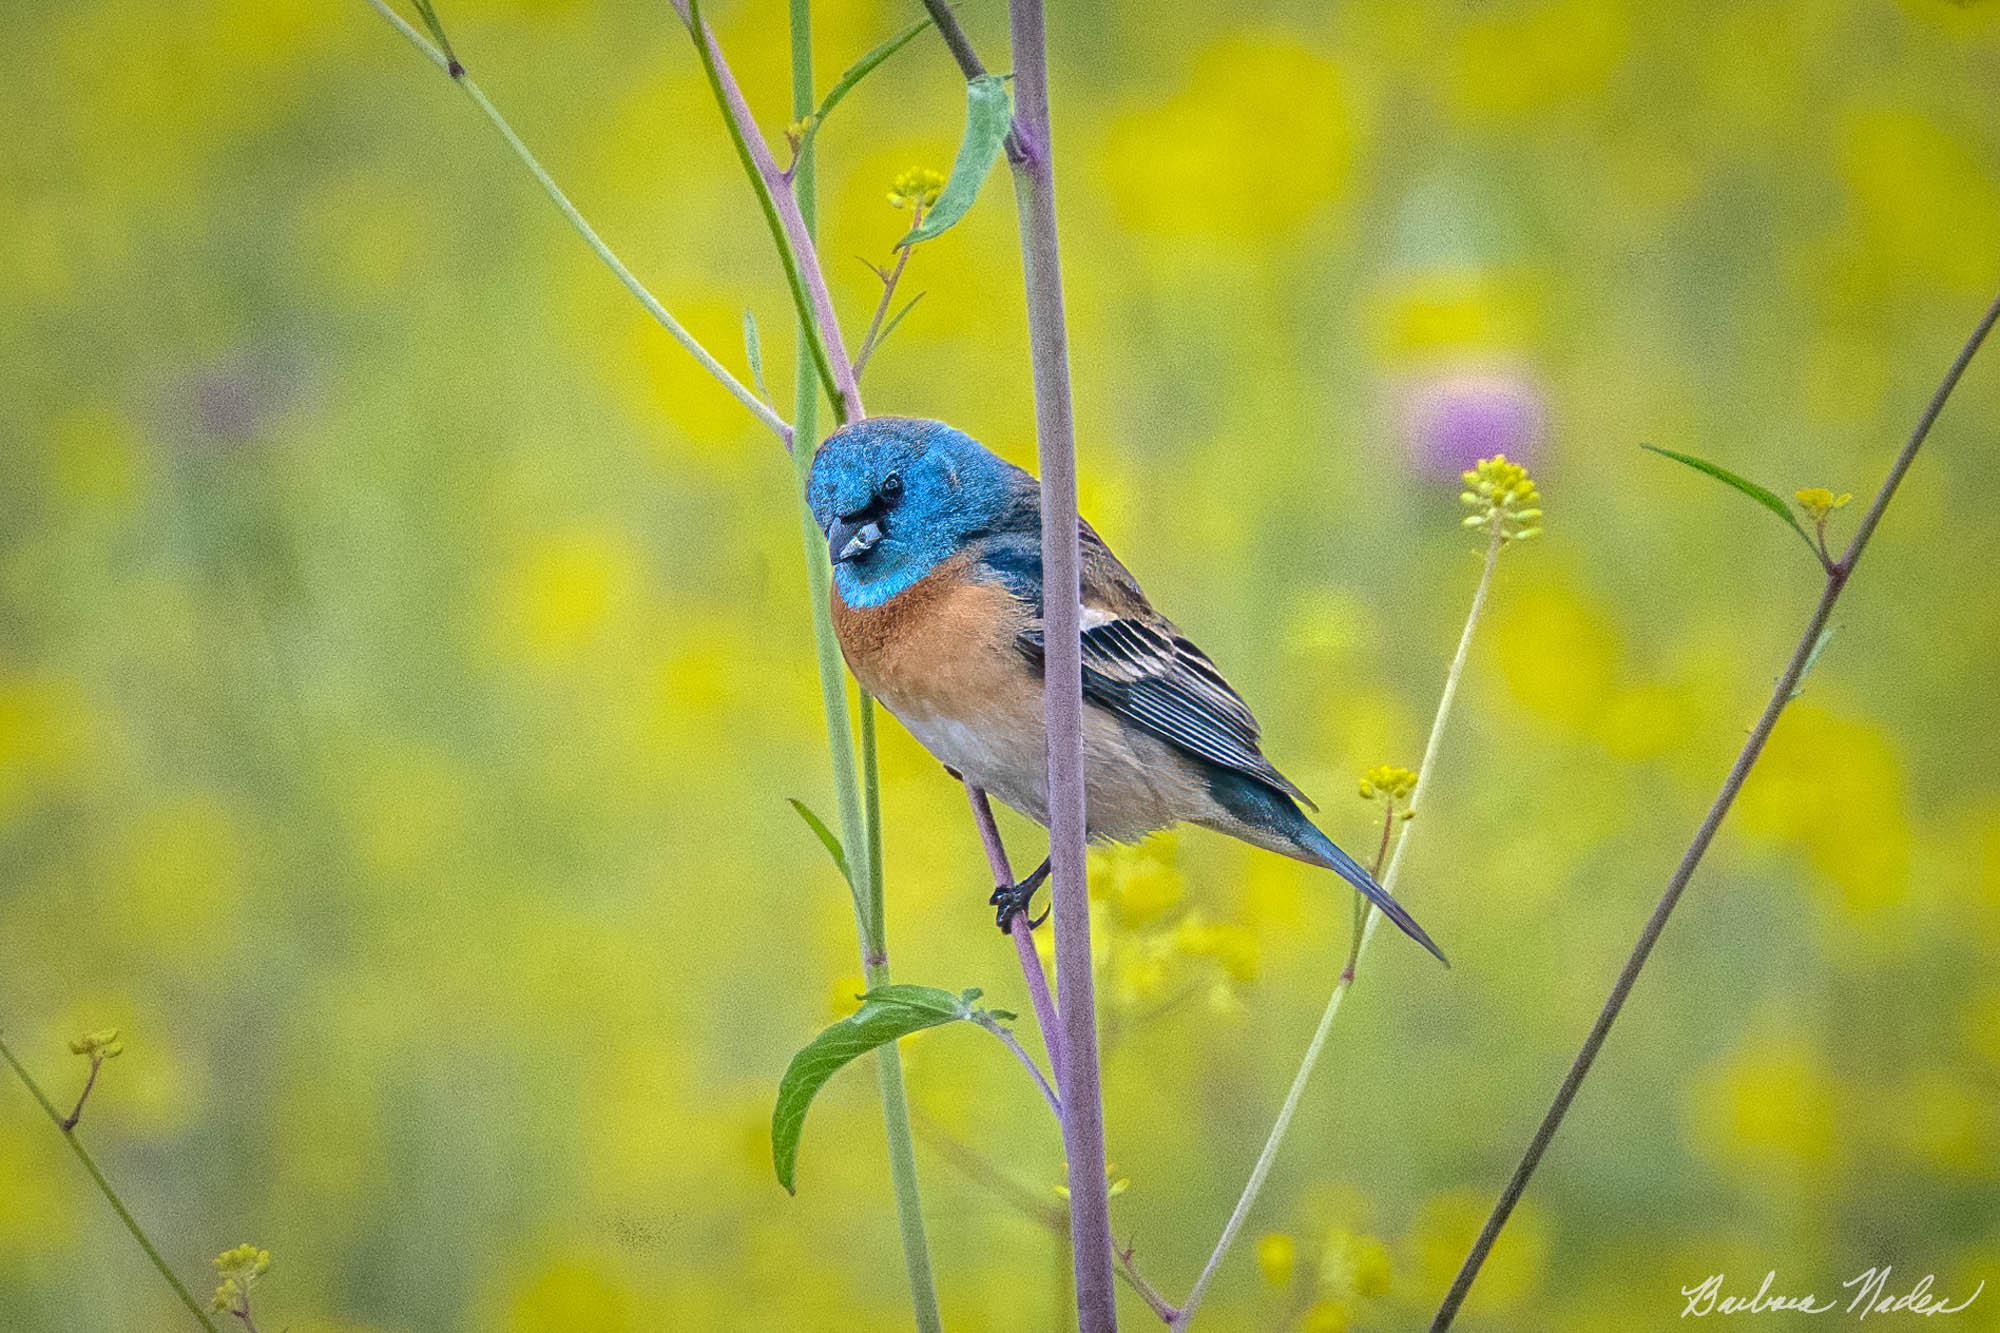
937	599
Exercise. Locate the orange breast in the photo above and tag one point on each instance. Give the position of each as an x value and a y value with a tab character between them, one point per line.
944	647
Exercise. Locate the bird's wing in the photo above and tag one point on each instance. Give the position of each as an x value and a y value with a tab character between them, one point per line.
1139	666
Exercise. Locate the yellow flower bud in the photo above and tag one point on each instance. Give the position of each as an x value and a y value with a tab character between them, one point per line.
1277	1255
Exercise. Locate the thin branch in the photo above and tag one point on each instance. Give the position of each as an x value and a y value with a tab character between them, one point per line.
737	389
110	1194
1024	940
1013	1043
781	211
890	277
1159	1304
1642	949
68	1122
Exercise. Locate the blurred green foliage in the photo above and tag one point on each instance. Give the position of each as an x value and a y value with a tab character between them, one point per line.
404	661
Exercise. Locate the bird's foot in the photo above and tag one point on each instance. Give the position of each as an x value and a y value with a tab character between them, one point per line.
1012	900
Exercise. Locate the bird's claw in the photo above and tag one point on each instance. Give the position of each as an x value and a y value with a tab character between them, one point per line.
1012	900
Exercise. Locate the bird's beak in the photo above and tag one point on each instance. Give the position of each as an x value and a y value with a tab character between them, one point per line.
847	540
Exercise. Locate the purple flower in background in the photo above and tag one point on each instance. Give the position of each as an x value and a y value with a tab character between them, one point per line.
1452	420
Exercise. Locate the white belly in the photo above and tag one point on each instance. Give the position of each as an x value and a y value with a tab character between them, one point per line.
1134	784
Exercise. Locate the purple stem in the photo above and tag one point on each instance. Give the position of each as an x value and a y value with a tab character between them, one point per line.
1055	431
1024	939
797	235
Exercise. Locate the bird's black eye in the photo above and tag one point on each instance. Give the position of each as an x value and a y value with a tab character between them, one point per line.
892	488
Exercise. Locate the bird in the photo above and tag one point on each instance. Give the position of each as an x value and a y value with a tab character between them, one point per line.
936	600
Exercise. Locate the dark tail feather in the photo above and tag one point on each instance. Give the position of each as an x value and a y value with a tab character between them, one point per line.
1266	810
1351	870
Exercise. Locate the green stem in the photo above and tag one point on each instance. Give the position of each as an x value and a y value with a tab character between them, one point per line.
110	1194
1365	932
860	823
737	389
871	810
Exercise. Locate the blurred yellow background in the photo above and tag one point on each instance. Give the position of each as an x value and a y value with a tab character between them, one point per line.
404	658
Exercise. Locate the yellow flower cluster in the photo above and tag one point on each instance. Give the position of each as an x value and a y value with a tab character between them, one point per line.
1818	501
1352	1265
1503	499
1152	951
918	187
1388	782
238	1269
102	1045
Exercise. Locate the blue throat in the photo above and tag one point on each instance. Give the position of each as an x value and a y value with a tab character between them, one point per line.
890	573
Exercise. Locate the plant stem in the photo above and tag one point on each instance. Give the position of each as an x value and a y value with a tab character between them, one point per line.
737	389
1365	925
1746	759
1023	938
788	225
1013	1043
860	815
110	1194
1055	431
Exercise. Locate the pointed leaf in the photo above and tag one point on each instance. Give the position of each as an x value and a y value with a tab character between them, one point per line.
854	74
1763	495
428	13
989	115
887	1013
826	838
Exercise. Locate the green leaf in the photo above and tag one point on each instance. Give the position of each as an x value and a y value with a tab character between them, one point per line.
428	13
887	1013
826	838
989	114
1763	495
754	349
854	74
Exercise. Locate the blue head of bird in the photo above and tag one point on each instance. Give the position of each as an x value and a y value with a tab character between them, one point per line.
896	497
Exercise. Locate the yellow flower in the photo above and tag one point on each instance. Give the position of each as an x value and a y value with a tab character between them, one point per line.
1325	1317
1389	782
918	187
238	1269
102	1045
1232	947
245	1264
1502	499
1355	1263
1139	884
1277	1254
1818	501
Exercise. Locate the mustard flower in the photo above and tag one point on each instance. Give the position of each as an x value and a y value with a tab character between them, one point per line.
1818	501
1503	499
239	1269
918	188
101	1045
